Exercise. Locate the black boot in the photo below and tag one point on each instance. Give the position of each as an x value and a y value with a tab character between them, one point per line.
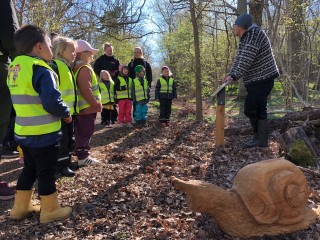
263	133
143	123
74	166
64	170
67	172
254	139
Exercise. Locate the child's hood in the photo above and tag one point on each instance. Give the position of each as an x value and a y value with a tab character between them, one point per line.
79	64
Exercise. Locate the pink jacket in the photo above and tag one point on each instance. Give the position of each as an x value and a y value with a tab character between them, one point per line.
85	88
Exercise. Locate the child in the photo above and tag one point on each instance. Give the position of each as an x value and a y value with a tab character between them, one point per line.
64	54
39	108
106	86
140	93
89	102
123	86
165	91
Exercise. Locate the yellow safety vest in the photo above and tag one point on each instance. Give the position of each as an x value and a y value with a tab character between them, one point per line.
82	103
141	91
31	117
67	86
107	95
124	93
166	87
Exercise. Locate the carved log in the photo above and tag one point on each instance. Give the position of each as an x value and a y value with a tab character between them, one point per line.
297	133
268	197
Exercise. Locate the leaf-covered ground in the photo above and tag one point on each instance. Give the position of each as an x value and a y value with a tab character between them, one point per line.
129	195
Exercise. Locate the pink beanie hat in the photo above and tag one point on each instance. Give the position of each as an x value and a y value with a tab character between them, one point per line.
165	67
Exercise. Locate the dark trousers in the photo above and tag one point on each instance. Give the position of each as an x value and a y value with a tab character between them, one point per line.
8	142
66	144
256	101
39	164
84	129
109	116
165	109
5	101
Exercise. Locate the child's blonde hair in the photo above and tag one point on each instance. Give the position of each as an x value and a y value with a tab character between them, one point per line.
107	44
60	44
86	55
105	71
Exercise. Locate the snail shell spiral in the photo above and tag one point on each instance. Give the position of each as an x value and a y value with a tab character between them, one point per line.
274	191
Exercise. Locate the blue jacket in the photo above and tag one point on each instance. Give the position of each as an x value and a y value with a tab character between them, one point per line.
44	83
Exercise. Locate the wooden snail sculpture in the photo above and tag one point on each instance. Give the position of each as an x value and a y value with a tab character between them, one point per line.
268	197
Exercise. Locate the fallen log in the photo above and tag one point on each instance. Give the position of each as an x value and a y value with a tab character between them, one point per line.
294	119
306	115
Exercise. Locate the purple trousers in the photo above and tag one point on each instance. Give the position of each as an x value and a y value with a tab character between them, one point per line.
84	129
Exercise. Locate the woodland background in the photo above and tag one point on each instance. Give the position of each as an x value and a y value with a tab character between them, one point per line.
129	195
195	39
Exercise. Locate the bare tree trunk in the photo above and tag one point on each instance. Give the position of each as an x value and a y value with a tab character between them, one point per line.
256	9
241	8
199	114
20	11
295	14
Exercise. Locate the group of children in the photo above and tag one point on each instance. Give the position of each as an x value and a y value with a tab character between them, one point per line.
54	90
130	92
134	94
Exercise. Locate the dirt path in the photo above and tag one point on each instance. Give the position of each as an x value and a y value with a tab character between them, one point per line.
129	195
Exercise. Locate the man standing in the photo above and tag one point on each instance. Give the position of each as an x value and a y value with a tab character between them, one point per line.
255	64
9	24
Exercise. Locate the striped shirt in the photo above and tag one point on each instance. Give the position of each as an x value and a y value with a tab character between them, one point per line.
255	61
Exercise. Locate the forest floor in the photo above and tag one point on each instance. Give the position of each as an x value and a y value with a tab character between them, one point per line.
130	196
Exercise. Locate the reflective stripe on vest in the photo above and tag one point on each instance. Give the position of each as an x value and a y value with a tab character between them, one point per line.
141	92
82	103
166	87
125	93
67	86
31	117
107	95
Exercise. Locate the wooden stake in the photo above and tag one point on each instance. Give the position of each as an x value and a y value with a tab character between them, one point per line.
220	113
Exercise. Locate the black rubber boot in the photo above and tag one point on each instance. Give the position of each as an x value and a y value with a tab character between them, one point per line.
254	139
263	133
143	123
64	170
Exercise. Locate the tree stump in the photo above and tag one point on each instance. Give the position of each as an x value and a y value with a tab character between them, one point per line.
294	134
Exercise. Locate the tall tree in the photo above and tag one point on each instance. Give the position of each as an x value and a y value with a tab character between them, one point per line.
242	7
195	26
256	10
295	19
